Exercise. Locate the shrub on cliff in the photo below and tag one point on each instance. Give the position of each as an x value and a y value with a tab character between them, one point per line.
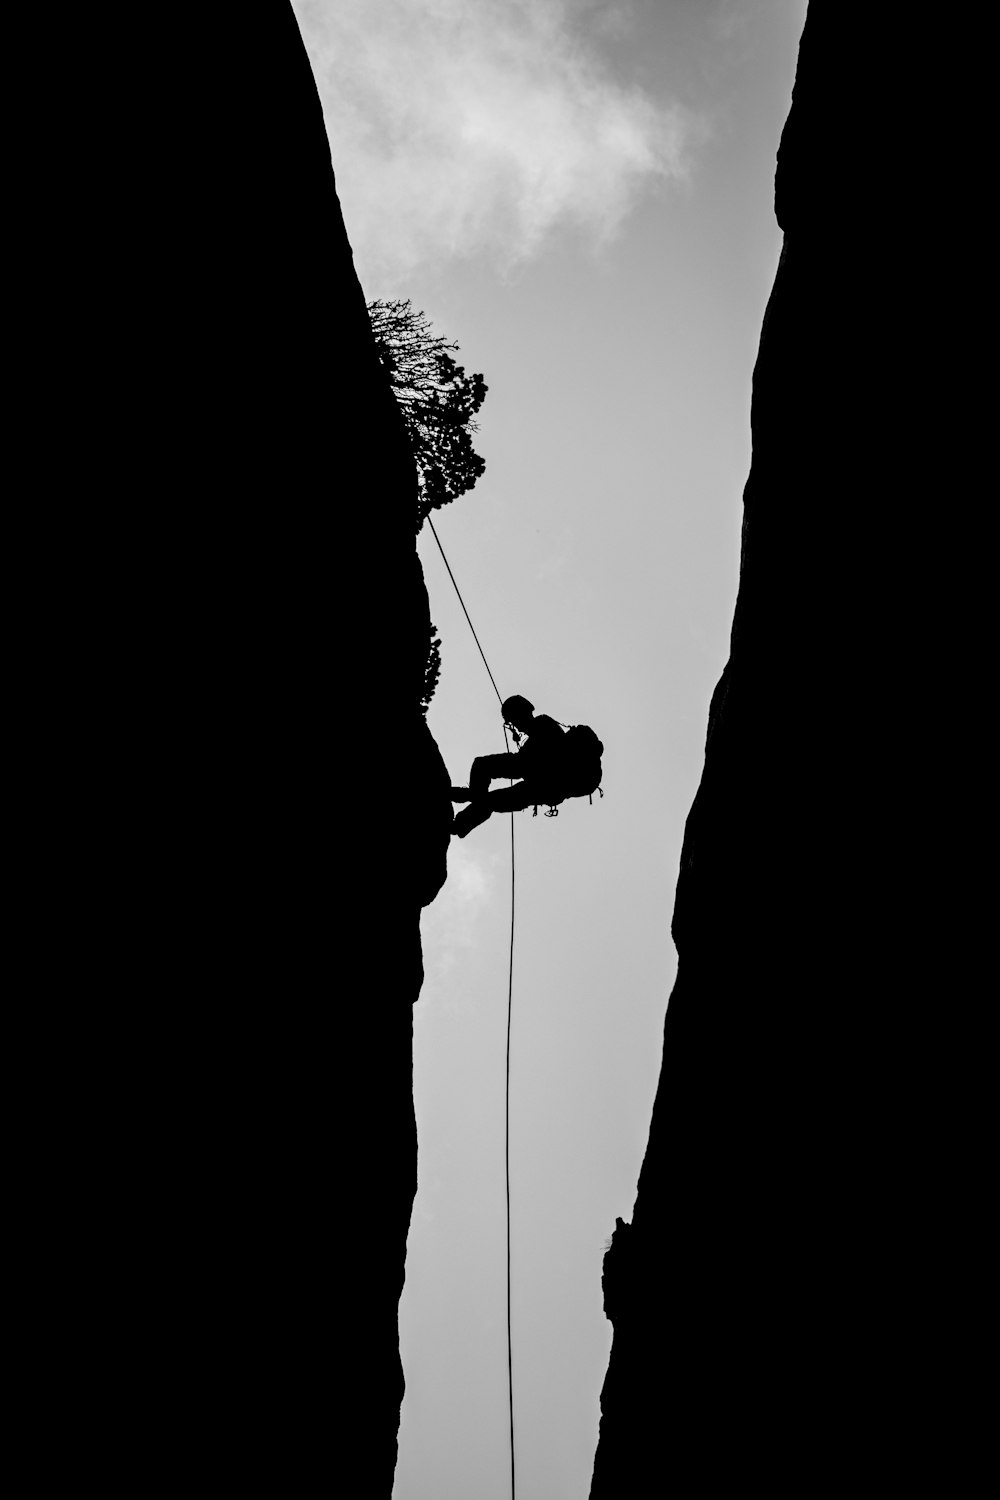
437	399
432	670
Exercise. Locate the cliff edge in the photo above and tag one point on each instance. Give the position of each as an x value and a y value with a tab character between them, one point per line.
775	1300
253	810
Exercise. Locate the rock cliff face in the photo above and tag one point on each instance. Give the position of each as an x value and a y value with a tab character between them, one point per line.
775	1300
242	813
258	812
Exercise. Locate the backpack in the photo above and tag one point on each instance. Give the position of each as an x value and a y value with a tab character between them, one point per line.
579	773
582	751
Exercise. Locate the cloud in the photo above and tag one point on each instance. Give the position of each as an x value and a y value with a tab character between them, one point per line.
467	127
449	925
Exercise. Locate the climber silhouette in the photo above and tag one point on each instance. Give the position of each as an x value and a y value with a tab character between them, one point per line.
538	767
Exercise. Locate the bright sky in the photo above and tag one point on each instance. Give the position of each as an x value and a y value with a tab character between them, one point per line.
580	192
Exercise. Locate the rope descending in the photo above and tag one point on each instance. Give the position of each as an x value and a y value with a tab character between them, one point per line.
510	993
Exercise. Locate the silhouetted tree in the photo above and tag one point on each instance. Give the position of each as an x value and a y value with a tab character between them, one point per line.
437	398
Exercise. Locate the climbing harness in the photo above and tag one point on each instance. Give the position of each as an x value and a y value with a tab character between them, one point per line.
553	807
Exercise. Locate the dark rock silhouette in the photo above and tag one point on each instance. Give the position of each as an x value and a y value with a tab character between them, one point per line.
780	1296
239	649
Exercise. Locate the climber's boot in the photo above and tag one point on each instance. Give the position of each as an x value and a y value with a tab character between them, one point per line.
470	817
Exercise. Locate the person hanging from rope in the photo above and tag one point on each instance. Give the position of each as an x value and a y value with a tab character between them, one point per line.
550	767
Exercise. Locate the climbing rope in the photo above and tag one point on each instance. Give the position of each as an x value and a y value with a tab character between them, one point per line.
510	994
472	627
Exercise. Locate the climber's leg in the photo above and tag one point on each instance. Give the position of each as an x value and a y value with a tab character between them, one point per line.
487	768
513	798
470	817
503	800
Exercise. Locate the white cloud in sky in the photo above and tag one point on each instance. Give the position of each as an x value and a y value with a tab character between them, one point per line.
449	925
459	127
